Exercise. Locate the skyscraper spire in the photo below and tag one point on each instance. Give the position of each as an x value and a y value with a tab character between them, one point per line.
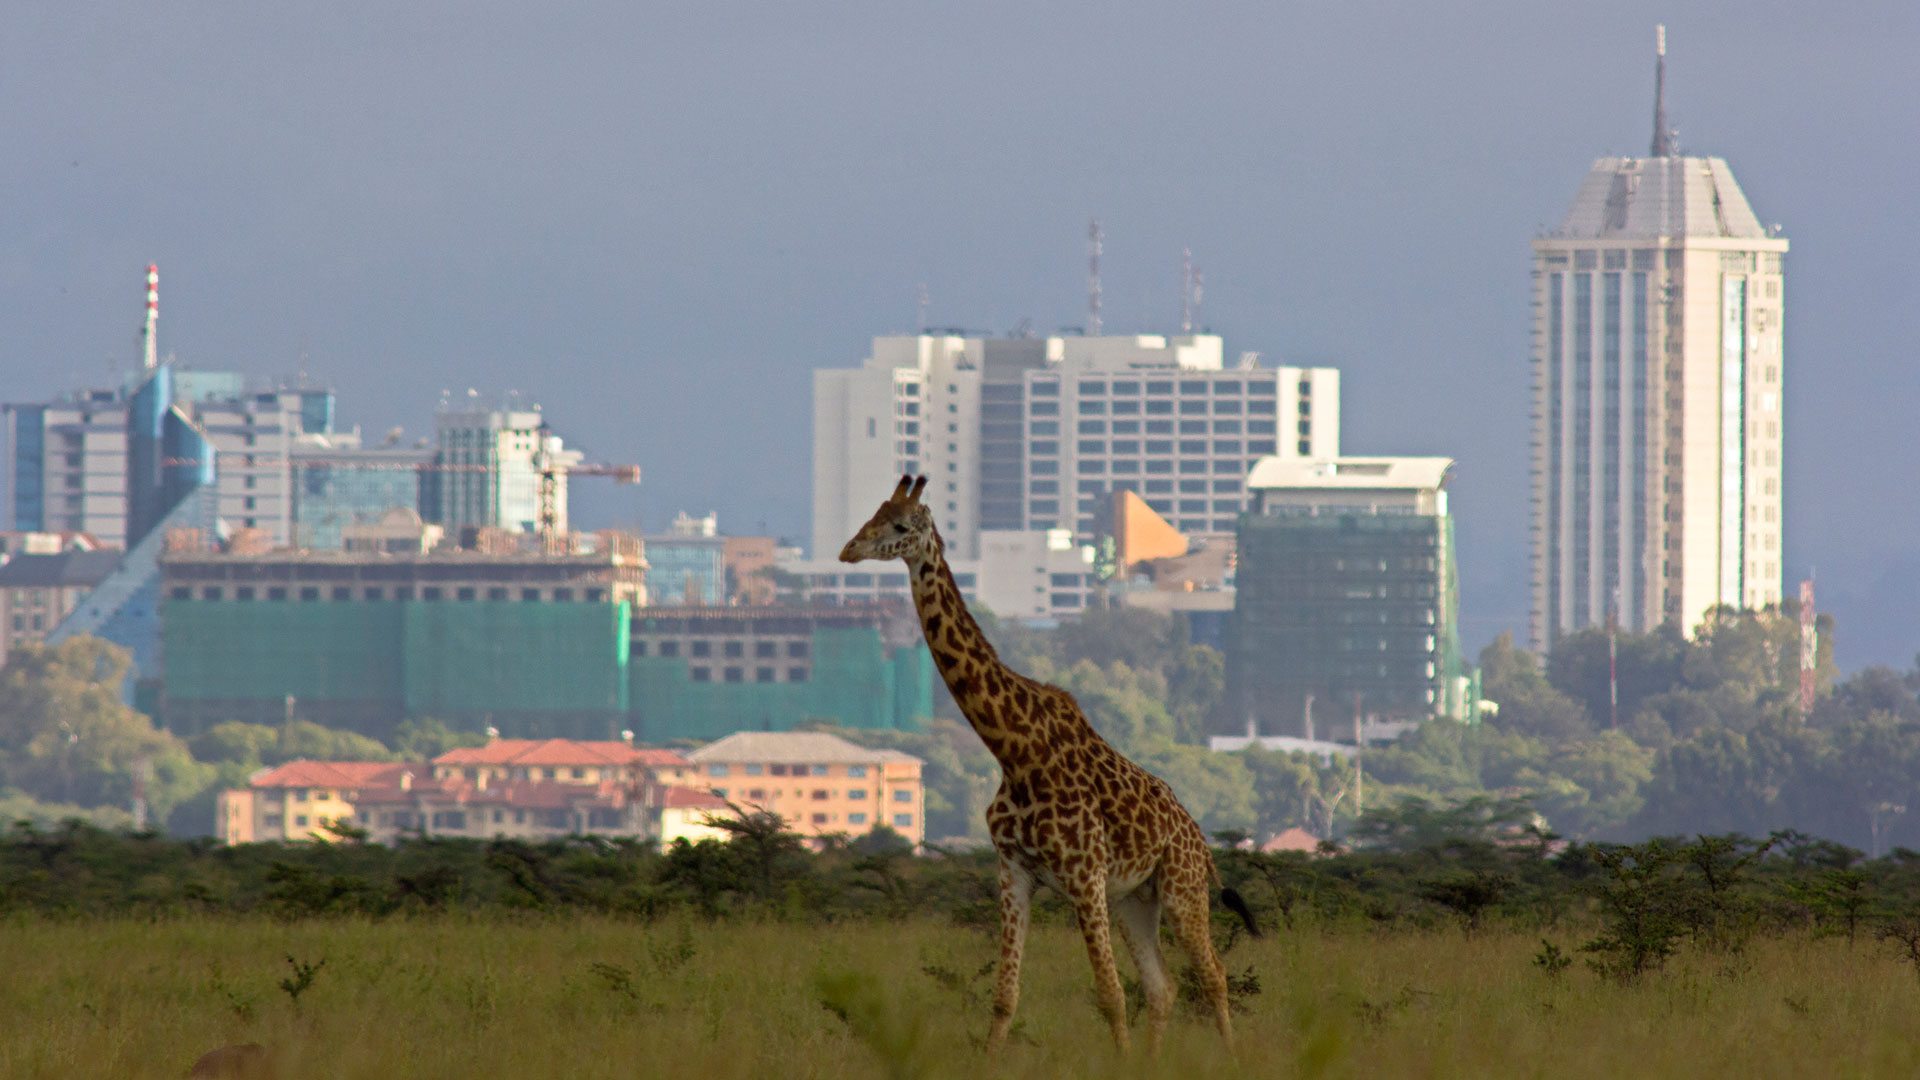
1662	136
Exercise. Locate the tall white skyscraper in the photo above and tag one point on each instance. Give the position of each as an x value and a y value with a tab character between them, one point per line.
1658	414
1036	434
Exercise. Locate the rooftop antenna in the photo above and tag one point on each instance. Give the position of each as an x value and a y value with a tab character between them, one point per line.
1199	293
1094	244
1186	290
920	325
1662	135
149	342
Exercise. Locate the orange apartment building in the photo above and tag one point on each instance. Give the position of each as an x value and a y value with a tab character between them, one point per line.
821	784
525	788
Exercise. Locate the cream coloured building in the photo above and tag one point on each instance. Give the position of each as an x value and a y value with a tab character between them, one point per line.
1658	409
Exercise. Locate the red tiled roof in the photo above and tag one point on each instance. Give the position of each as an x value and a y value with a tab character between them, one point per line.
673	797
557	752
1293	839
334	774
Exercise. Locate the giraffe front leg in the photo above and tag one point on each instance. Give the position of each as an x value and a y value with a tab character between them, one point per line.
1016	901
1089	898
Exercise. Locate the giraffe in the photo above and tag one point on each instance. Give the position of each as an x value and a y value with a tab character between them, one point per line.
1072	812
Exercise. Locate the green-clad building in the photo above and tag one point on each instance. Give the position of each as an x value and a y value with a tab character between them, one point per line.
534	645
1347	596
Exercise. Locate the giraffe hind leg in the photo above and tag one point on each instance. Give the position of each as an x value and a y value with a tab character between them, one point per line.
1016	901
1190	915
1089	899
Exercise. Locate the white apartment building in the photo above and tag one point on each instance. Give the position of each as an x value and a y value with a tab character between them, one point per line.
1035	434
1658	408
1029	575
495	476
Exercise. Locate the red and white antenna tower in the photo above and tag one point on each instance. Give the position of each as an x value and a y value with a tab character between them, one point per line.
149	343
1095	242
1809	648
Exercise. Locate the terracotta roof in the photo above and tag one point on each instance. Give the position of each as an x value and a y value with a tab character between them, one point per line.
557	752
335	774
1294	839
801	747
674	797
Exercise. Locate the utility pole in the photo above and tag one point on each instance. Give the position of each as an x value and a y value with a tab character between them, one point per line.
1359	750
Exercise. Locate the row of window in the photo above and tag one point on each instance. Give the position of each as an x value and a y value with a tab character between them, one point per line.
900	795
378	592
1169	407
720	771
1098	387
1161	427
1154	466
702	674
731	649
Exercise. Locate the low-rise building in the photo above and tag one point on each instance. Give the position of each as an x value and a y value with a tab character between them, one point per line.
38	590
521	788
820	784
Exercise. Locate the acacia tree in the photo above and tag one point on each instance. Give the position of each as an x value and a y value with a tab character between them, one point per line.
66	736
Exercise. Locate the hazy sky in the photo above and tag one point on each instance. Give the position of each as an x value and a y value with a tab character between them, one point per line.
658	219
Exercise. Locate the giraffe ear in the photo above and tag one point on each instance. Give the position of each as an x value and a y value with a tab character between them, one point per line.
919	486
900	489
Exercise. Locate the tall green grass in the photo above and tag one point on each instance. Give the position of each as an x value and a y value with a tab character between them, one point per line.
454	997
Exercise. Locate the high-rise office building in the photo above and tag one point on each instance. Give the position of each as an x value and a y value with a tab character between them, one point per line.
487	470
1348	597
1036	434
1658	408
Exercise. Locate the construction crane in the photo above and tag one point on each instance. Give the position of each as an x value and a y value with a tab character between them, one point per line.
548	468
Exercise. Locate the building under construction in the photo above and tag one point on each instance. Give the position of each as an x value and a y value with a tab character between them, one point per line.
529	642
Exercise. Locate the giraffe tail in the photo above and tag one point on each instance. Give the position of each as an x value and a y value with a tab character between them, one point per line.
1234	902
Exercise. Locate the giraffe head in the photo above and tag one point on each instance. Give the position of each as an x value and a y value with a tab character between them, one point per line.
902	526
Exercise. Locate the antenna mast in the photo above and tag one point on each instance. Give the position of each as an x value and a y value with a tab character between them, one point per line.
1186	290
921	309
149	343
1662	136
1094	244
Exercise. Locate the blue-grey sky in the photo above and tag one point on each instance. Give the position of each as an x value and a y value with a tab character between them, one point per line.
657	219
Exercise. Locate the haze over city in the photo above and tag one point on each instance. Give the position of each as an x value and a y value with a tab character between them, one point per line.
659	223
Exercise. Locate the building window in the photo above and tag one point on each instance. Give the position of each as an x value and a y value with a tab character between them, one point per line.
702	648
857	794
820	794
902	795
856	819
497	593
733	649
563	595
669	648
797	649
716	770
763	674
819	819
796	674
309	593
734	674
181	592
763	650
701	674
431	592
903	821
300	821
857	771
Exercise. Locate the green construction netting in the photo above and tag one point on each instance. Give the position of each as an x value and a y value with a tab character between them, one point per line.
469	657
265	650
854	682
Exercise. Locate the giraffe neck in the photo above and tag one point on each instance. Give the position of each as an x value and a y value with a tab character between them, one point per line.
966	660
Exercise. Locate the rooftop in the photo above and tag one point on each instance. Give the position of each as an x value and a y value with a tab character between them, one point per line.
1625	198
333	774
557	752
808	747
84	569
1351	473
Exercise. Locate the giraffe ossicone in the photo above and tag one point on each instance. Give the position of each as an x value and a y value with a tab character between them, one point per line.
1072	812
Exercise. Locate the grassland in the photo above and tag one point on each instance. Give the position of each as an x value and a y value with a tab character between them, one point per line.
588	997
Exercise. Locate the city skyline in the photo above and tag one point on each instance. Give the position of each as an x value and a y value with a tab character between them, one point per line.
404	267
